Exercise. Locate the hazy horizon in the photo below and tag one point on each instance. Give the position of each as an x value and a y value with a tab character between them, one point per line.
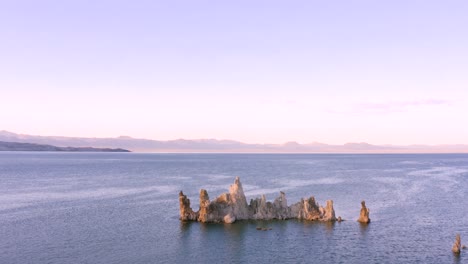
252	71
290	143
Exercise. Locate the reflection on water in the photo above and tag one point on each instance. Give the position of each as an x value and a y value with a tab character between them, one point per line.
456	258
329	227
364	228
241	240
185	227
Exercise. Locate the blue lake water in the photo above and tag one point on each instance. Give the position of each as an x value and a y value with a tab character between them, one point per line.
123	208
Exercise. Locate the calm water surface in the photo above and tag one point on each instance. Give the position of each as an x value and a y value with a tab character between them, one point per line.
123	208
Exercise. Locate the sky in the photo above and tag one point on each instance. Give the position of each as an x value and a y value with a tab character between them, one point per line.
382	72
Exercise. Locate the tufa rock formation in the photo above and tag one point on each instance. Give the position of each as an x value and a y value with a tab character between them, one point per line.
232	206
457	245
186	213
364	215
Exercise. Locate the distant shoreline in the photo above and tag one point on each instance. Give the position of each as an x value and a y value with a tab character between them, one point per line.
17	146
125	143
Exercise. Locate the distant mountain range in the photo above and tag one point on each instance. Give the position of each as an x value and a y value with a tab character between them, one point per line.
16	146
224	146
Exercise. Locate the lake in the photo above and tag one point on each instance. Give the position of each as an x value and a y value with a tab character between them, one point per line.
123	208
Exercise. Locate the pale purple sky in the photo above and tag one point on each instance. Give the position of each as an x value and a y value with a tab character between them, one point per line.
383	72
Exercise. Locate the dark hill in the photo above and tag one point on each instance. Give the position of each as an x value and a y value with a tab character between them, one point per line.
16	146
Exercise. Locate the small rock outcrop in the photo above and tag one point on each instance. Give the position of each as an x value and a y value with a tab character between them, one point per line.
186	212
457	245
364	215
232	206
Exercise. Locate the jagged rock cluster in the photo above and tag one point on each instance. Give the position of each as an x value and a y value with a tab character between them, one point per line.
232	206
364	215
